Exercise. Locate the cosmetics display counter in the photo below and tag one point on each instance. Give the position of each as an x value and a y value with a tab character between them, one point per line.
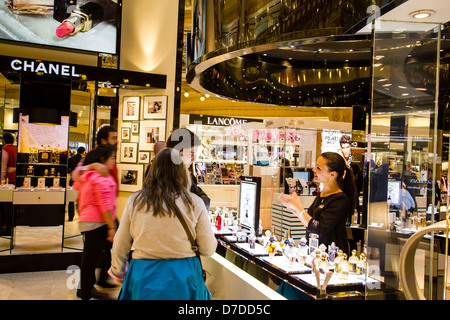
277	271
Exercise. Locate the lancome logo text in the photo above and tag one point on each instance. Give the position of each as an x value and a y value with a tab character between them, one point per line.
44	67
225	121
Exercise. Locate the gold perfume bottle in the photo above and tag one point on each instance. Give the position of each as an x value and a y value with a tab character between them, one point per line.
344	268
353	261
323	265
337	260
44	155
361	267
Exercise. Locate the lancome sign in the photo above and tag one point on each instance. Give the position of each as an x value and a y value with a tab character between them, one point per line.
220	121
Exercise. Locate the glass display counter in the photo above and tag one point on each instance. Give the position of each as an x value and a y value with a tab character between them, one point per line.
290	278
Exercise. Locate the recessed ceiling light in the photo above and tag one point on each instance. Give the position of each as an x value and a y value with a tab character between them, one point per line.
422	14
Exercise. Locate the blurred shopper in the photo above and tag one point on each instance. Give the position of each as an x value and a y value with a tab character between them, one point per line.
163	264
71	165
187	142
8	175
9	158
97	211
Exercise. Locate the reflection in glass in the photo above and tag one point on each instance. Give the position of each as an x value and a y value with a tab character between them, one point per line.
403	156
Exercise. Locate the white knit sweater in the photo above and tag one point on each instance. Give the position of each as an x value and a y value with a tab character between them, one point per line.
161	237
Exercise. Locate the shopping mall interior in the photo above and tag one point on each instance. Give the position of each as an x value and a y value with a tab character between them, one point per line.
267	87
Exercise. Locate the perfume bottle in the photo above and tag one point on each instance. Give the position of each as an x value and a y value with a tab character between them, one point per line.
323	265
260	228
315	262
218	222
353	261
252	239
38	7
362	265
302	251
313	243
82	19
30	171
344	268
337	260
332	253
43	155
290	253
271	247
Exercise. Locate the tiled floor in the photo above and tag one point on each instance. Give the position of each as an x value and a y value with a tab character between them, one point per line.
45	285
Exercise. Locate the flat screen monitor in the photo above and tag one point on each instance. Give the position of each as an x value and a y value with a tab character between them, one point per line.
249	202
301	175
73	24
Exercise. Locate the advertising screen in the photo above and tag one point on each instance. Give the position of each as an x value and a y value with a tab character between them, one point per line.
249	202
75	24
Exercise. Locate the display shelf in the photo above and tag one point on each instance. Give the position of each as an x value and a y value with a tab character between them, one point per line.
280	262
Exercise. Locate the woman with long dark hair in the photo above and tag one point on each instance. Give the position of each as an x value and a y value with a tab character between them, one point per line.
163	264
97	222
329	211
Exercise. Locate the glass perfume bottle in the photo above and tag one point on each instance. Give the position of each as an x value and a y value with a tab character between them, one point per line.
218	222
30	171
337	260
271	248
316	260
252	239
302	251
290	253
313	243
344	268
332	253
323	265
353	261
361	266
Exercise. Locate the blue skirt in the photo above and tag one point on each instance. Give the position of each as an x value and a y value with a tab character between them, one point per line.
173	279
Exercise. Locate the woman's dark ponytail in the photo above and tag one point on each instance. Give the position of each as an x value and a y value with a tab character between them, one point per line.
345	177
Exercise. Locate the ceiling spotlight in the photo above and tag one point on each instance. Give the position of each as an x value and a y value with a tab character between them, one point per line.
422	14
202	98
186	94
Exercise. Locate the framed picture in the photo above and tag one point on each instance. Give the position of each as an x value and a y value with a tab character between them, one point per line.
125	134
151	131
155	107
131	109
144	157
128	152
130	177
135	127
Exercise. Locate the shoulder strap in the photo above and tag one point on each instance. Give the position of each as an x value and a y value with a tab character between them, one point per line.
194	245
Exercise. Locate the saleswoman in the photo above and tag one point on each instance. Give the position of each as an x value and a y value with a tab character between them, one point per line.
328	213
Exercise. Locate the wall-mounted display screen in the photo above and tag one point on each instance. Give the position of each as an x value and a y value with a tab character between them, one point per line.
249	202
75	24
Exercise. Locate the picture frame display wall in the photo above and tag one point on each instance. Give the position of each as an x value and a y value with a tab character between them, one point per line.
131	108
128	152
151	131
130	177
139	130
155	107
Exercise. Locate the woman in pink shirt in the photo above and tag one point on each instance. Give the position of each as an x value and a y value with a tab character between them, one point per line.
97	217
